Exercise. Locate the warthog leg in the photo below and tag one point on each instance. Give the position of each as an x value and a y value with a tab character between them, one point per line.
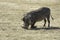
44	22
32	25
48	19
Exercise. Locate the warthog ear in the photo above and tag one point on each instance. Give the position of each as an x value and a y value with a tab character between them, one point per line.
23	17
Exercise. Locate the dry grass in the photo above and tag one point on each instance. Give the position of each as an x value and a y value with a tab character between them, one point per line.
11	12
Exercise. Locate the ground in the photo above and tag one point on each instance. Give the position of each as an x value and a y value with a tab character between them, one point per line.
12	11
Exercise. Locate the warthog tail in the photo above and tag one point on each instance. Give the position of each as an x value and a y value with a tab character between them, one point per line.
52	17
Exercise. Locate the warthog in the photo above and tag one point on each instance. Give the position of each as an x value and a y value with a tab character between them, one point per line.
37	15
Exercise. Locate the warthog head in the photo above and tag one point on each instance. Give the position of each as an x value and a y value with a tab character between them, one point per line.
26	21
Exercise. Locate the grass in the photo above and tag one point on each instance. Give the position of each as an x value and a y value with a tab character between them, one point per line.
11	13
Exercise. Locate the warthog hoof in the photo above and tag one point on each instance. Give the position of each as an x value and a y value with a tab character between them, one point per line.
33	27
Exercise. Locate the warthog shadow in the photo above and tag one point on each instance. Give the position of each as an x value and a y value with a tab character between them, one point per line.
45	28
50	28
